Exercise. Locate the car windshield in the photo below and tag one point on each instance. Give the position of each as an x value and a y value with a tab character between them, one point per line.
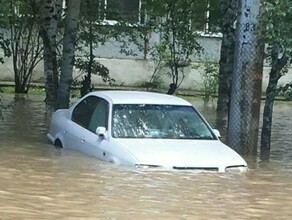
158	121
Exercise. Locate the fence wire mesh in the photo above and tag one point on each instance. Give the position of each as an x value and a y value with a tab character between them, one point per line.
243	122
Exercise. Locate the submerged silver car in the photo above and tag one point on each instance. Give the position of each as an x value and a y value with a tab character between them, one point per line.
142	129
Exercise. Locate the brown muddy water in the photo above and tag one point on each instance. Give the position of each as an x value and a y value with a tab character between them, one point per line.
38	181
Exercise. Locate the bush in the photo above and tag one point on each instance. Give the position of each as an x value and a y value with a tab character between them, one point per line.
285	91
210	81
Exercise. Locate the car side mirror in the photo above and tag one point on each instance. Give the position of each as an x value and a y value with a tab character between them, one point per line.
101	132
217	133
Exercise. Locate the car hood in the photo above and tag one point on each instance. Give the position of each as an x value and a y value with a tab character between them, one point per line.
183	154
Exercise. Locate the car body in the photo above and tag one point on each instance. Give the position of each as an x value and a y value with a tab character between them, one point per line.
142	129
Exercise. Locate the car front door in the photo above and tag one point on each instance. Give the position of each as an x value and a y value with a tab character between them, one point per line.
89	114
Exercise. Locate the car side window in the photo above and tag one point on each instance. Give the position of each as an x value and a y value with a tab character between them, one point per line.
99	117
83	111
91	113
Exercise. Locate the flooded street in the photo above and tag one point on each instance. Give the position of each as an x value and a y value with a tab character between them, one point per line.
38	181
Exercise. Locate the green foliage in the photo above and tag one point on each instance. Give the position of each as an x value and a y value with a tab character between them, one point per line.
159	54
4	45
160	51
95	68
100	24
178	24
277	17
95	31
154	84
210	81
21	39
14	12
276	25
285	91
276	21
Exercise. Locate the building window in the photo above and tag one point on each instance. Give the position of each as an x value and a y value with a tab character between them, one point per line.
207	13
127	10
113	10
214	17
208	16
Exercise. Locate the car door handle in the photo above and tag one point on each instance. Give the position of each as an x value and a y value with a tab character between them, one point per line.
65	131
83	141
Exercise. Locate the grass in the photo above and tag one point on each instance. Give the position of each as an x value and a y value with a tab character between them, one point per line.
75	93
36	90
33	90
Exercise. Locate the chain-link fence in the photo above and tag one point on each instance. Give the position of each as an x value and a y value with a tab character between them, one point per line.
243	124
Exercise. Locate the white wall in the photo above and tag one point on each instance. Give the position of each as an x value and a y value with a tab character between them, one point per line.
132	71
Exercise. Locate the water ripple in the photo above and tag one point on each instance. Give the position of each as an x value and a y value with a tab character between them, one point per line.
41	182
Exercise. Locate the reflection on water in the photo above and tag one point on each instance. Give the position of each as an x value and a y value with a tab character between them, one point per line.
41	182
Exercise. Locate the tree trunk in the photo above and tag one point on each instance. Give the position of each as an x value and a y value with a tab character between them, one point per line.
229	10
277	65
49	14
52	13
69	41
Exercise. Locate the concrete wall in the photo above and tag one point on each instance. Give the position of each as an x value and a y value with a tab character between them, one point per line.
135	70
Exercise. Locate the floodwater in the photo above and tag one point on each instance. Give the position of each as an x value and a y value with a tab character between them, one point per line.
38	181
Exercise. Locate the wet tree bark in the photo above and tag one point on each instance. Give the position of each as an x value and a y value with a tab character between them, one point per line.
229	10
275	74
69	41
49	13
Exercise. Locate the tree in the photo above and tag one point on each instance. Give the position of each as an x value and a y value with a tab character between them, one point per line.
19	26
91	34
48	15
278	37
69	42
178	22
4	45
210	81
229	10
285	91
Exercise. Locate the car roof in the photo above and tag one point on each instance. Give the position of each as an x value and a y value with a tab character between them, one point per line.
139	97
